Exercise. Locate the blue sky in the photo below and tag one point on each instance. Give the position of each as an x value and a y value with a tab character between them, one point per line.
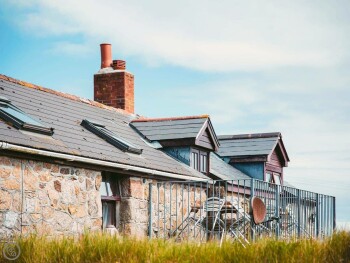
253	66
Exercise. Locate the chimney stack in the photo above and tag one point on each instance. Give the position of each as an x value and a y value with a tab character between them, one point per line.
113	85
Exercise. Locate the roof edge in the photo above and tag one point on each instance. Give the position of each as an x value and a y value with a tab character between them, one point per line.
143	119
250	136
63	95
75	158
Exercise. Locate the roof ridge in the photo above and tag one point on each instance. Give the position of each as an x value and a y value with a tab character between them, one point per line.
250	136
144	119
62	94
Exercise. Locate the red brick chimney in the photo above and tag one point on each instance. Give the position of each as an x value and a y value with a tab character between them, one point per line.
113	85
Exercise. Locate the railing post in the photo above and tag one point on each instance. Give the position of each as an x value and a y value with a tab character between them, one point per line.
252	191
317	217
334	214
277	210
252	194
169	206
150	211
299	213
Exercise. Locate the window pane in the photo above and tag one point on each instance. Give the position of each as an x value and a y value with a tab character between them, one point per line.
19	115
203	163
116	137
114	185
110	137
103	189
194	161
108	214
109	190
268	177
109	185
277	178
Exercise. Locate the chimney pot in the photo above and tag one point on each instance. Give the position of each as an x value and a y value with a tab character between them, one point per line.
119	64
106	55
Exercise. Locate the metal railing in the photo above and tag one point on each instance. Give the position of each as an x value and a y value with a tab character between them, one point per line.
202	211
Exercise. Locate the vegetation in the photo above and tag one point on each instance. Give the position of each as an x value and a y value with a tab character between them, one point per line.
104	248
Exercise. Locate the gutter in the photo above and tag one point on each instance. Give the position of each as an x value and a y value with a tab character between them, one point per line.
73	158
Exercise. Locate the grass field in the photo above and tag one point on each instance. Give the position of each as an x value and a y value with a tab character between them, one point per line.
103	248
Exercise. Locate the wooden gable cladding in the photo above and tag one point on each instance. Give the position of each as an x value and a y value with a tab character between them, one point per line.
274	159
278	157
274	162
206	138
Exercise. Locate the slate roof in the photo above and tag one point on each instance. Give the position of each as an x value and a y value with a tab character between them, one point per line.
197	129
64	113
170	128
248	144
223	170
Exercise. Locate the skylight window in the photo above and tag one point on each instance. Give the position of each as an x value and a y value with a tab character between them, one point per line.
104	133
20	119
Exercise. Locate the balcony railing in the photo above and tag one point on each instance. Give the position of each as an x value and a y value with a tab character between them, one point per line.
239	210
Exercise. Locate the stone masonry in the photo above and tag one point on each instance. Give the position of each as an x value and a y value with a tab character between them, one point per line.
134	207
134	217
45	198
56	200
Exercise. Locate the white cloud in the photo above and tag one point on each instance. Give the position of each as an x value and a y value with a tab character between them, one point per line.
72	49
204	35
39	24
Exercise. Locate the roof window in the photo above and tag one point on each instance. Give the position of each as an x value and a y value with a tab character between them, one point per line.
101	131
20	119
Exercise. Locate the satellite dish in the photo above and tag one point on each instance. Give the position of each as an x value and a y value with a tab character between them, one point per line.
258	210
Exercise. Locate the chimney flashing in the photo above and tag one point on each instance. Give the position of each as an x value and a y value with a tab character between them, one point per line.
111	70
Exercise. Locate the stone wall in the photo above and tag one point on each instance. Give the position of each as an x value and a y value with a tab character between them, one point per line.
172	203
134	207
47	198
44	198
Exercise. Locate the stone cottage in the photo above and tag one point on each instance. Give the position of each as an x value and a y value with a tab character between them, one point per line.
69	164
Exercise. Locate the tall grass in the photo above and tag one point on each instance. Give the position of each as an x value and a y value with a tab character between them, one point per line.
104	248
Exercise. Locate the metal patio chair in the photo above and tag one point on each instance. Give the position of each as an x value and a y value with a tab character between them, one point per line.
212	223
202	222
240	228
190	228
289	224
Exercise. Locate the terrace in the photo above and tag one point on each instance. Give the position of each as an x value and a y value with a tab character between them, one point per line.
240	210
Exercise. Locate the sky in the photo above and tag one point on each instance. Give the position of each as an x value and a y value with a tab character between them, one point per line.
253	66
